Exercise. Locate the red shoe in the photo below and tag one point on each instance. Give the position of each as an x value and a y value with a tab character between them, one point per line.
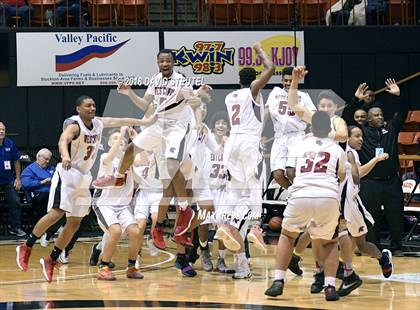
255	236
48	266
105	274
23	252
184	221
134	273
109	181
183	240
157	237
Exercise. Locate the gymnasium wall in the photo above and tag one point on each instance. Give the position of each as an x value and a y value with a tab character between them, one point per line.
338	58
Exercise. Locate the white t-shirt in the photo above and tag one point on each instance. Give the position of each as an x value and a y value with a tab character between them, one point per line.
146	176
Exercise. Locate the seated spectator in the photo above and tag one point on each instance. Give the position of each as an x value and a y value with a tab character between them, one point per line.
376	12
9	8
74	8
36	178
10	180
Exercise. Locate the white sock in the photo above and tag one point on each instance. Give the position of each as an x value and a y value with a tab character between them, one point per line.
183	205
279	274
222	254
329	281
100	246
203	244
242	259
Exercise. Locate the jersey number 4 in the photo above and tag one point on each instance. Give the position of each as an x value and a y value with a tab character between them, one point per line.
320	166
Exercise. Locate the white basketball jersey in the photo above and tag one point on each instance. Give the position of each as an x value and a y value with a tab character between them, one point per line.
217	169
240	108
84	149
114	196
284	119
146	175
316	162
168	95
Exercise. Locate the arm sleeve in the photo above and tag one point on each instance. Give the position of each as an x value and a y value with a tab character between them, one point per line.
348	112
400	116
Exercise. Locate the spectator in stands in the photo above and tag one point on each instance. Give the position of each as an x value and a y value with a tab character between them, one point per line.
9	8
10	180
376	12
74	8
360	117
36	178
382	186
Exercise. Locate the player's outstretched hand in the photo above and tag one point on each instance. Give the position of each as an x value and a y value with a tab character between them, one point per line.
124	89
361	91
299	72
393	88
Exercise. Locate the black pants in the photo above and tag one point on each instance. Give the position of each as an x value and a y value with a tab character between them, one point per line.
13	203
387	193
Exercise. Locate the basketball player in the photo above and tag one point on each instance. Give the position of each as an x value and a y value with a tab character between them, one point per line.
354	212
171	96
288	128
112	208
241	158
327	102
287	125
313	202
69	194
148	196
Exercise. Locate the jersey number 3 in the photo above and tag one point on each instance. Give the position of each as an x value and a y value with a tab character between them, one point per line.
90	149
322	159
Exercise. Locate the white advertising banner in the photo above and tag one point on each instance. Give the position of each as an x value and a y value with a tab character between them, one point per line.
217	57
84	58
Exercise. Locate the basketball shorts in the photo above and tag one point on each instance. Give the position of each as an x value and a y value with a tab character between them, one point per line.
70	192
110	215
242	156
166	135
320	216
147	202
281	148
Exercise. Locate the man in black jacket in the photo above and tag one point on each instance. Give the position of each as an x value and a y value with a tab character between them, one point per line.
381	189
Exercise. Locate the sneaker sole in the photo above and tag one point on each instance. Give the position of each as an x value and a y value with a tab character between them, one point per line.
253	239
104	279
228	240
390	261
44	271
17	260
188	226
349	289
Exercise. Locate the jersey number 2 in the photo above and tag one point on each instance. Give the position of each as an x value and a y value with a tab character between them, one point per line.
320	166
236	120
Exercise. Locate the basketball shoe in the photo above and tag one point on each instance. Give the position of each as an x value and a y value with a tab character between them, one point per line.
48	266
109	181
185	218
157	237
256	237
276	289
23	252
105	274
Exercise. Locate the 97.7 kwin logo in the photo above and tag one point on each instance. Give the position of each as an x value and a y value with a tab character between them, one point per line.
206	57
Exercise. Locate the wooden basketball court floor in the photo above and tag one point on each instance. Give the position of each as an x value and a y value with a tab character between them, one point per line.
163	287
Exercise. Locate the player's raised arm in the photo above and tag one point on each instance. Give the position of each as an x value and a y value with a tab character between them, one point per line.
118	122
141	103
69	133
303	112
340	132
267	73
113	151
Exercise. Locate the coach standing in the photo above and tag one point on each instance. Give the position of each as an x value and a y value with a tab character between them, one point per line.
382	186
9	163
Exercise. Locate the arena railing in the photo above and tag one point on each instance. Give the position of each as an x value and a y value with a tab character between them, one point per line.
254	13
